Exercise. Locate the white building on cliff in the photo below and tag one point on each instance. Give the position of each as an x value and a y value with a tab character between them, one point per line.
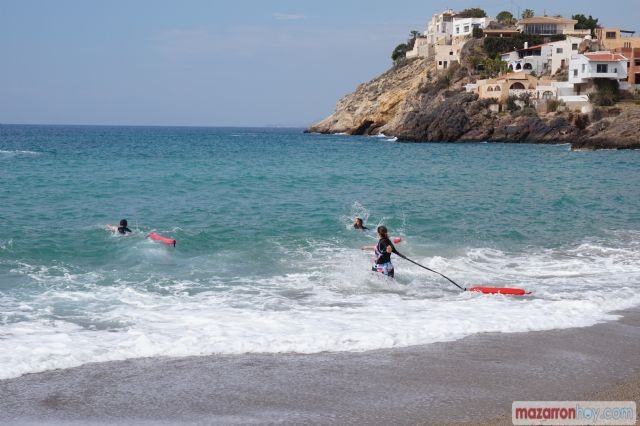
584	69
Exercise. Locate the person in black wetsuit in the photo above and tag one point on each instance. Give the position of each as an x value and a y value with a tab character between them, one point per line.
120	229
358	224
123	229
384	248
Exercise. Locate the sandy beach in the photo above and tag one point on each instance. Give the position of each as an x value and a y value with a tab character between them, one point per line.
471	381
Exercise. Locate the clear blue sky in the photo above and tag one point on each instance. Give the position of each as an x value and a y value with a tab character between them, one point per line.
216	62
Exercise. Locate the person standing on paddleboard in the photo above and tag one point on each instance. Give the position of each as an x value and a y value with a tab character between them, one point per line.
384	248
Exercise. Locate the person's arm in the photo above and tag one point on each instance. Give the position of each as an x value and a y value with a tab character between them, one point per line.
392	249
368	248
111	228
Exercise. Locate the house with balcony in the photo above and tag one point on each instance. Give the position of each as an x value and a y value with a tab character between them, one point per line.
633	67
529	59
463	27
550	25
439	32
586	68
548	58
495	29
560	52
440	28
514	84
615	38
445	29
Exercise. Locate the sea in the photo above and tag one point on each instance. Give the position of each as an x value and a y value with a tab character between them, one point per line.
267	260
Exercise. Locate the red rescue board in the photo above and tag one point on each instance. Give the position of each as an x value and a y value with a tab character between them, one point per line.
165	240
499	290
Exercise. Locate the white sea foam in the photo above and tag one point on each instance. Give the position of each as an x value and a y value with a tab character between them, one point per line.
6	244
332	303
14	153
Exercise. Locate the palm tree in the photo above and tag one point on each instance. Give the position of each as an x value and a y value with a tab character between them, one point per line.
528	13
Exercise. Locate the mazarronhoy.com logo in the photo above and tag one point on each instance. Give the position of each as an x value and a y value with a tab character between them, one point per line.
574	413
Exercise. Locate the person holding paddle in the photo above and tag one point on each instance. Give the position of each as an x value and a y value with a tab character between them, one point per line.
384	248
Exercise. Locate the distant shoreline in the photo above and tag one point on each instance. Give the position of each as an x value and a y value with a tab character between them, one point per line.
402	103
128	126
470	381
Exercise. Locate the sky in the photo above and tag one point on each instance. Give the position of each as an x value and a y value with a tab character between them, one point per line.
216	62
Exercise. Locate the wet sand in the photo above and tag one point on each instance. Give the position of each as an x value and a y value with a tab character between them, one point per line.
470	381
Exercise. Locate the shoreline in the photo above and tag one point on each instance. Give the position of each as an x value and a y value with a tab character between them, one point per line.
470	381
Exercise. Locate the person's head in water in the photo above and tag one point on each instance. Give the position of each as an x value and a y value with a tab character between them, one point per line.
382	232
357	223
123	227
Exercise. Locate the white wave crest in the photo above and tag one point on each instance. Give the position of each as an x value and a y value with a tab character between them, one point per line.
331	303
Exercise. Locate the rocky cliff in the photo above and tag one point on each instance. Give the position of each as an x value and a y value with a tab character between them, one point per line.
415	104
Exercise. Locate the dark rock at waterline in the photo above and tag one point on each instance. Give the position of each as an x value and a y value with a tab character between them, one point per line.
621	132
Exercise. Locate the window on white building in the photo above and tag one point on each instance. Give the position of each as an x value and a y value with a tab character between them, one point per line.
602	68
584	67
575	73
466	28
559	50
574	46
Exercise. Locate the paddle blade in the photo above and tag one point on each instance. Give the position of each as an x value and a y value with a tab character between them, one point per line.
499	290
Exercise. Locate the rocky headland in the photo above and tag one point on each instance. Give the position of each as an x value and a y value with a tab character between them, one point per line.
415	103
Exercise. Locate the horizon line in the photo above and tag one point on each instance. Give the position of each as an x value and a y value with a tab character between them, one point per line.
158	125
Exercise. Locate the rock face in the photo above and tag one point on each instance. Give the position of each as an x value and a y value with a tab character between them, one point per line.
621	132
414	104
373	105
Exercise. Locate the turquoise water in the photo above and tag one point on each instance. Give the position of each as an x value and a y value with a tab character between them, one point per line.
266	260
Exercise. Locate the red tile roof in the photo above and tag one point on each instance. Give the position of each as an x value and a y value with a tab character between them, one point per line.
605	57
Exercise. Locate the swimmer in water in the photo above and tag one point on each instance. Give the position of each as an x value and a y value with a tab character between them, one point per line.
120	229
358	224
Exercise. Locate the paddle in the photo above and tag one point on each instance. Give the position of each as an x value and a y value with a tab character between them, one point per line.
484	290
431	270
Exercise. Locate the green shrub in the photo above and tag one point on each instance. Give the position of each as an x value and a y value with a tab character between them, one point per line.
526	112
525	98
474	12
399	53
444	82
607	93
552	105
512	106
